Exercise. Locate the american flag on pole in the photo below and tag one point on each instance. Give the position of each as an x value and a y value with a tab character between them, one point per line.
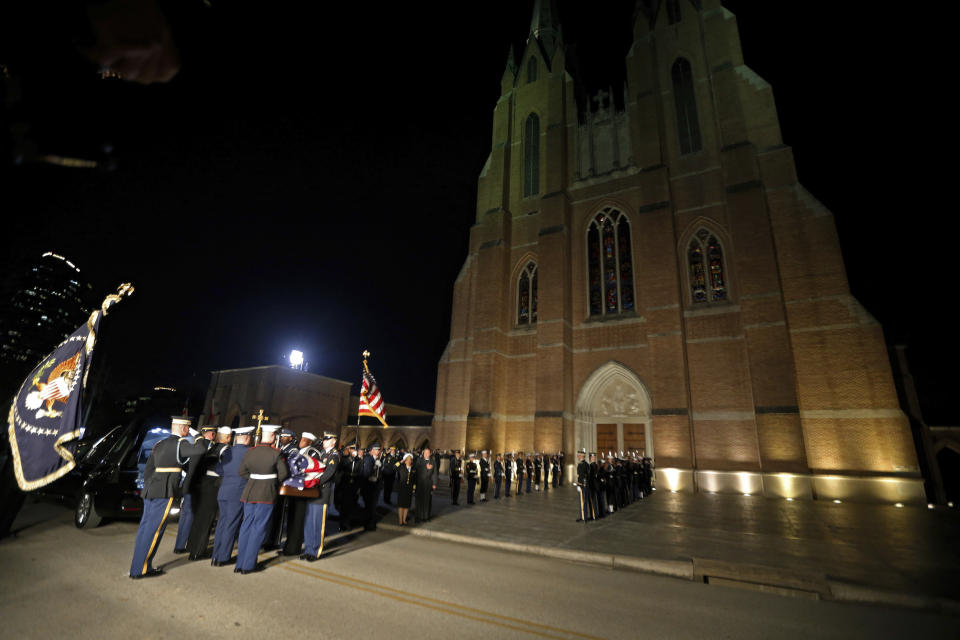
371	401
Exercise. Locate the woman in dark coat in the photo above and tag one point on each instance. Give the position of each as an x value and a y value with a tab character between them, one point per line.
406	478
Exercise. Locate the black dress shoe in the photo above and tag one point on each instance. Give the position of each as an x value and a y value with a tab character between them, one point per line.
179	551
217	563
197	556
149	574
309	558
246	571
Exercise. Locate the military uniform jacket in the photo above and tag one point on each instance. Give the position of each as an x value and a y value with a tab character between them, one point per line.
583	473
389	464
472	469
537	465
594	476
332	461
162	475
231	485
529	466
207	464
264	468
352	466
484	467
455	467
497	469
508	467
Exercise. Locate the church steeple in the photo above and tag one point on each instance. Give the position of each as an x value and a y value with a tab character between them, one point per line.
545	27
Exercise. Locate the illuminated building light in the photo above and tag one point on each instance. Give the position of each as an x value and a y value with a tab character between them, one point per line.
950	504
836	502
899	505
789	499
673	490
164	389
929	505
296	359
747	494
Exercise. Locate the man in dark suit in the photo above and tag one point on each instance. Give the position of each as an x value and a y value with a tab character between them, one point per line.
161	488
264	468
427	474
390	460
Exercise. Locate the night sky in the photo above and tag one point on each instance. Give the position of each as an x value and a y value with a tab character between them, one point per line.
309	179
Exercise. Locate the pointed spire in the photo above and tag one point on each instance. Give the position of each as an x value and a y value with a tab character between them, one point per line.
545	26
511	62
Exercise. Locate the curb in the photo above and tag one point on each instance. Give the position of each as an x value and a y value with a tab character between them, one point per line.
835	590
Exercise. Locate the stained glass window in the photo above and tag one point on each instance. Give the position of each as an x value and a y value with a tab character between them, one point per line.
673	11
532	69
708	280
531	156
609	264
527	295
685	101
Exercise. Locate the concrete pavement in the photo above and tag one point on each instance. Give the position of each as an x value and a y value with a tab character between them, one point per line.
57	580
854	552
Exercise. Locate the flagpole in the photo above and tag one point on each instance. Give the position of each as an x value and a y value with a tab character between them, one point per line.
366	369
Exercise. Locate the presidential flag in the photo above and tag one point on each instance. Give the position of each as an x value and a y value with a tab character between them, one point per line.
371	401
45	417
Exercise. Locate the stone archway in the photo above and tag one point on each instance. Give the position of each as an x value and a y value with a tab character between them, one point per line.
614	406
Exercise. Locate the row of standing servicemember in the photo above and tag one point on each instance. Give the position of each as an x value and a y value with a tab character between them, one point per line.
539	470
609	485
238	486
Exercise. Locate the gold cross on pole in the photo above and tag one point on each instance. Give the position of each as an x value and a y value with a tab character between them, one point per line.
259	417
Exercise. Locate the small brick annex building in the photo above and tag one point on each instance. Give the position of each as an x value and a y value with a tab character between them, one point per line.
646	272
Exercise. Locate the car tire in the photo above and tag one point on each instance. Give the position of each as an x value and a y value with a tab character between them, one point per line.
85	516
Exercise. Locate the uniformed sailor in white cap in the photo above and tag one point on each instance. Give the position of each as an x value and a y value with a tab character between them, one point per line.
485	475
228	496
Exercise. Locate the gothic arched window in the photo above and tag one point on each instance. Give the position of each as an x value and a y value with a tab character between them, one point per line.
685	100
527	295
708	279
673	11
609	264
532	69
531	156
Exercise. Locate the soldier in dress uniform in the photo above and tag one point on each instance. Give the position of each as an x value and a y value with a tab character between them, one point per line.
473	472
555	468
519	467
264	468
205	489
228	497
371	479
497	476
455	470
596	494
608	486
427	473
485	475
647	475
390	460
297	512
528	468
161	488
282	508
562	468
537	471
188	482
508	469
583	487
352	466
315	528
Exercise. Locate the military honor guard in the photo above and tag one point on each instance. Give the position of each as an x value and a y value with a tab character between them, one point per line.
555	469
264	468
528	468
205	489
315	526
455	470
519	468
228	497
298	506
161	489
371	485
583	487
497	476
427	473
282	508
485	475
537	471
188	479
509	467
596	494
350	477
562	468
473	472
390	460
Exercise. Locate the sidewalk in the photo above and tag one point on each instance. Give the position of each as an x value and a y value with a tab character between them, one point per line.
869	553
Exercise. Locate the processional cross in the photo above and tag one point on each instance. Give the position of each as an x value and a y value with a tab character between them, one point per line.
259	417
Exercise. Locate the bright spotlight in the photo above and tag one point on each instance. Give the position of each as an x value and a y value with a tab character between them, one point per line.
296	359
899	505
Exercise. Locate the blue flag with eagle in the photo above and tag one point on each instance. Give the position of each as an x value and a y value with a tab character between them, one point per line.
44	419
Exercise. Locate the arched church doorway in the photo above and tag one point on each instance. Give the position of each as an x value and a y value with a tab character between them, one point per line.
613	412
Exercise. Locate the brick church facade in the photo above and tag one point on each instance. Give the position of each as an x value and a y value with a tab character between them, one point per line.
646	272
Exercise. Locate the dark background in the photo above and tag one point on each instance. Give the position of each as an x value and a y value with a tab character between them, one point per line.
309	179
